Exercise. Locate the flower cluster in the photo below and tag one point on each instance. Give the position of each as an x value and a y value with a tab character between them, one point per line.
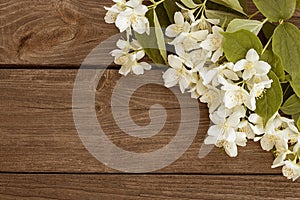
223	64
281	135
128	56
129	16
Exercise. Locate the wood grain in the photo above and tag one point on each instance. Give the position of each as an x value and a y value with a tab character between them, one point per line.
54	33
41	154
146	187
38	132
51	32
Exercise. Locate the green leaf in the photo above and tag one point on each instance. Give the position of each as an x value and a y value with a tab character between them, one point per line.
189	4
233	4
291	106
224	17
162	16
295	83
290	156
253	26
268	30
171	8
296	118
237	44
270	103
269	57
287	91
286	43
244	4
298	4
276	10
150	41
160	37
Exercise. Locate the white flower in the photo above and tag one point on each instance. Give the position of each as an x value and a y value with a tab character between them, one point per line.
179	26
114	11
252	65
128	56
189	41
224	133
129	64
213	43
134	15
195	60
258	90
257	79
269	140
204	23
245	127
125	46
235	95
188	15
291	170
213	97
281	152
197	88
275	134
177	74
225	70
257	124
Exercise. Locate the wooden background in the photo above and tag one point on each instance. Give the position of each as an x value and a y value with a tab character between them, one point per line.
42	45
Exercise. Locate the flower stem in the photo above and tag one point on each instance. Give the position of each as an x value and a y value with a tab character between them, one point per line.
254	14
267	45
155	4
202	9
265	21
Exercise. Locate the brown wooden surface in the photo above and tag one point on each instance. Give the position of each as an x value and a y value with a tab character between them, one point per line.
145	187
53	32
38	132
42	44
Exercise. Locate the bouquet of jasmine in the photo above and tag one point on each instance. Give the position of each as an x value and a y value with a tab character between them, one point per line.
246	70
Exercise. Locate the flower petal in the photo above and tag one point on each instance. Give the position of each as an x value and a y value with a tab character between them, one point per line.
178	18
175	62
171	78
252	56
266	143
240	65
124	70
214	131
139	25
171	31
137	69
146	66
231	149
199	35
123	22
262	68
210	140
217	54
141	10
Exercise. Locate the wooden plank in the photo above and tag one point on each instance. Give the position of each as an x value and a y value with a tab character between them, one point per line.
51	32
54	33
146	187
38	132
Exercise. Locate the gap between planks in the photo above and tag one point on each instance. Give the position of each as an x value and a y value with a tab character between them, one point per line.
55	33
